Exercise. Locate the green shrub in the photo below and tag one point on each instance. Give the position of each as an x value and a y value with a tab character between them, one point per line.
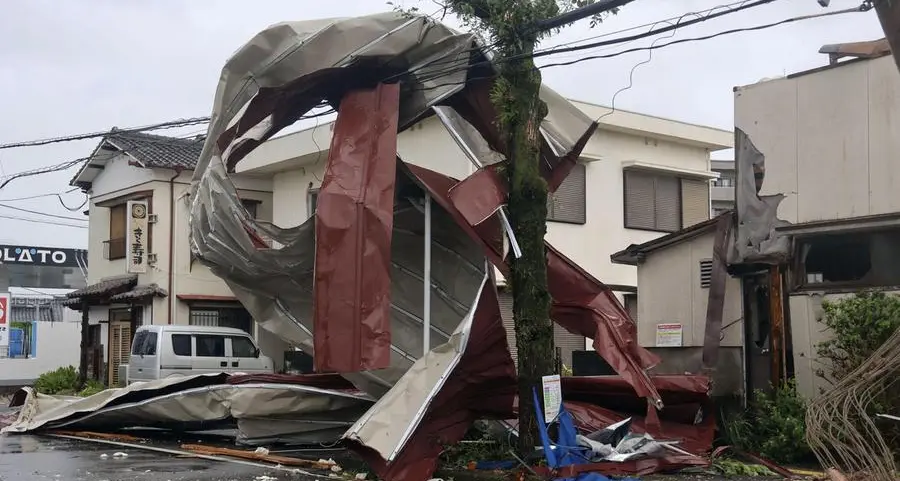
60	381
774	426
91	387
859	326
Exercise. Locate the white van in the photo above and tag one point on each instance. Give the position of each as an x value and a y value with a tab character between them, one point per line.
165	351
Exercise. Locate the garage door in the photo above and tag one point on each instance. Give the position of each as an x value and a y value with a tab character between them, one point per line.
563	339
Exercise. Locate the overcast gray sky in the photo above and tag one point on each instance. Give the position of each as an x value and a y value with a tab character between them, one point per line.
87	65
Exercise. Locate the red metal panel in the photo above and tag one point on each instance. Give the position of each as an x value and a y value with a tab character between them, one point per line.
354	220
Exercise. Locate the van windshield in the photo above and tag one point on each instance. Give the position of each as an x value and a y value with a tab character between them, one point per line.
144	344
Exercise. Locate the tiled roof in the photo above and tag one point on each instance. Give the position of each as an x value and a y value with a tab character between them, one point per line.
139	292
158	151
106	286
48	311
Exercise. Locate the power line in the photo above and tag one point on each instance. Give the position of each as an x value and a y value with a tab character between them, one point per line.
159	126
29	211
38	196
862	8
39	221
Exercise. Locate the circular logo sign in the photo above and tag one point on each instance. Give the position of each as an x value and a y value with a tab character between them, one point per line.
138	211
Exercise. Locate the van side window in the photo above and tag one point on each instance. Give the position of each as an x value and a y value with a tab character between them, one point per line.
242	347
138	343
210	346
181	344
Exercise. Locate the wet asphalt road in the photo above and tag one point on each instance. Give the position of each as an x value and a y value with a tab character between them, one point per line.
42	458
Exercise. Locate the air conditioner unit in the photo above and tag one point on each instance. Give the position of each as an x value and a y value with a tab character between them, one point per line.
153	218
151	259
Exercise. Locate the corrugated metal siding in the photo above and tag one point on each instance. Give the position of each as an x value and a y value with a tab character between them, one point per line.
639	200
567	204
668	203
694	201
567	342
506	312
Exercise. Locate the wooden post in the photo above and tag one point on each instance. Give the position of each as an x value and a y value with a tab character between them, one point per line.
776	318
85	328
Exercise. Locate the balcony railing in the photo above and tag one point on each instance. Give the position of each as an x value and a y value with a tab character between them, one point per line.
114	249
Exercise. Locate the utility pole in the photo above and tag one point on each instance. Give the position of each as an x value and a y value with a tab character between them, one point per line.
515	96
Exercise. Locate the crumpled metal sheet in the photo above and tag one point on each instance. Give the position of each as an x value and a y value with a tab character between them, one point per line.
756	238
470	377
260	410
354	221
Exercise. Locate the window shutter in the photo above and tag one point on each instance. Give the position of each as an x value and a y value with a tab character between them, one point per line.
668	204
567	204
506	313
639	200
706	273
566	342
694	201
117	221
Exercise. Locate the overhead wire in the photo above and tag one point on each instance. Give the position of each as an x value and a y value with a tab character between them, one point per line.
41	221
68	138
30	211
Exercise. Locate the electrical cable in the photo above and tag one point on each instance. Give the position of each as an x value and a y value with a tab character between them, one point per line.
29	211
159	126
675	42
40	221
38	196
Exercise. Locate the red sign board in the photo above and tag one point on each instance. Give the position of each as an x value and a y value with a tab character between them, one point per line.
4	308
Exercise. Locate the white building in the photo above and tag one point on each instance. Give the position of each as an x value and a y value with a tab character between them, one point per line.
638	178
174	288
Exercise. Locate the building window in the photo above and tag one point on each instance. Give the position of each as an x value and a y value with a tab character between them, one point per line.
567	204
852	260
706	266
664	203
723	182
312	200
631	306
236	317
115	246
251	206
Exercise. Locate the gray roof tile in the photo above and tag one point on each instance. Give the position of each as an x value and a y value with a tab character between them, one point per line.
158	151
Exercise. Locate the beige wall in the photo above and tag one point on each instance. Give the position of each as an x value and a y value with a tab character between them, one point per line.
669	292
829	138
118	179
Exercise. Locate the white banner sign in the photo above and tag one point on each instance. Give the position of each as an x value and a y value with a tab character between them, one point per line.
552	397
137	226
669	335
5	306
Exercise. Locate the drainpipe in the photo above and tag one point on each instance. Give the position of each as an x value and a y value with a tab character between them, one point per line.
172	243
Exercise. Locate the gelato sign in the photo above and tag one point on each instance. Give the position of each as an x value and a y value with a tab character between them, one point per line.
42	256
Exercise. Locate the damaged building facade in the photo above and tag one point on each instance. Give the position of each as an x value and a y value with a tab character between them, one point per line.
817	218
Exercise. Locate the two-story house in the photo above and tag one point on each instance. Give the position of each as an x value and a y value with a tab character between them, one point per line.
817	217
638	178
141	268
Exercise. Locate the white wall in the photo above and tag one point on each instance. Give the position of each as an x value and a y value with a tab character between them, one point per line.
829	138
670	291
57	346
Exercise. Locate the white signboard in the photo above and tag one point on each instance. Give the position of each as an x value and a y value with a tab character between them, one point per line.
137	227
552	397
4	321
669	335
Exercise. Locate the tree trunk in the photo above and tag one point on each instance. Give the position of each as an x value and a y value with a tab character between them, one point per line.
521	111
83	361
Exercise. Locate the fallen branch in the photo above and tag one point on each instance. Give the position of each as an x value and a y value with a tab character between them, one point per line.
255	456
107	436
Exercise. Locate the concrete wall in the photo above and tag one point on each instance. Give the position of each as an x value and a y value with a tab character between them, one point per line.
669	292
57	346
829	139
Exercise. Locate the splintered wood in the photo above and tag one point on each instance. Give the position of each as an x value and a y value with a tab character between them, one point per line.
255	456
